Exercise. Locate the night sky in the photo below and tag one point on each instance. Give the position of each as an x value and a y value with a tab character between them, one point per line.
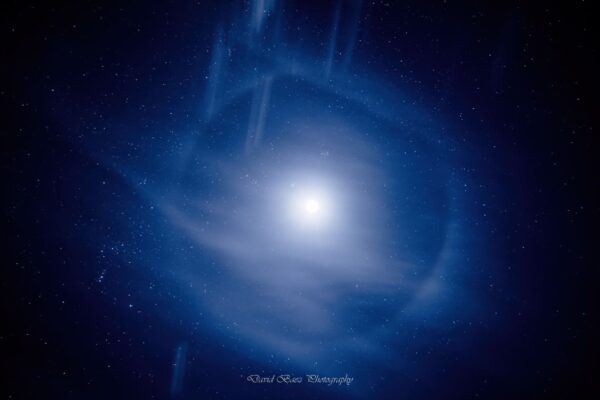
201	196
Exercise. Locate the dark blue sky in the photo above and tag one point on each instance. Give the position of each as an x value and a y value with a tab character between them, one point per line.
195	193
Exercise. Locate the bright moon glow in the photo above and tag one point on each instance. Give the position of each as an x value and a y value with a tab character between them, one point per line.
312	206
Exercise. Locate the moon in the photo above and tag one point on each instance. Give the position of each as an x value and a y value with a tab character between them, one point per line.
312	206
